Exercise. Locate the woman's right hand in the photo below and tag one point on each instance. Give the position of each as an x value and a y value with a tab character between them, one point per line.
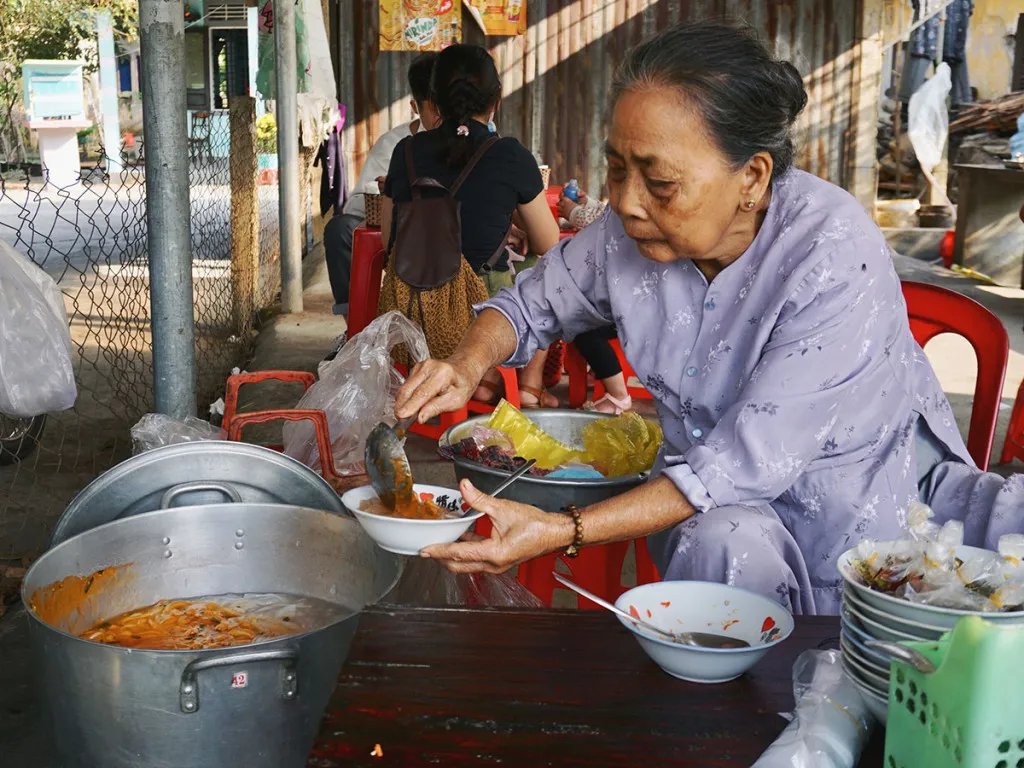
435	387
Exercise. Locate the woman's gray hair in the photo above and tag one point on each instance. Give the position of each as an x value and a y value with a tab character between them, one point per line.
747	100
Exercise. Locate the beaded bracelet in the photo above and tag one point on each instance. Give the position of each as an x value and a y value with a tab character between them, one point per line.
577	540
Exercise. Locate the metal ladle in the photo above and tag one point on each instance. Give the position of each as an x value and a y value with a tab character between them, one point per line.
697	639
386	462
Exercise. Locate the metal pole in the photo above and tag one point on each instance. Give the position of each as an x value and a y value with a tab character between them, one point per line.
162	33
108	93
287	105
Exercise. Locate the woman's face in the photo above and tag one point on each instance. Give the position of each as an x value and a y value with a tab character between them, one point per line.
676	193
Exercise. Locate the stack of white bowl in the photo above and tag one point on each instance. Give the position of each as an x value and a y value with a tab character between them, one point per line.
868	615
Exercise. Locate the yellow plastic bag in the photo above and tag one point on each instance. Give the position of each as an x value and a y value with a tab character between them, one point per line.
530	440
624	445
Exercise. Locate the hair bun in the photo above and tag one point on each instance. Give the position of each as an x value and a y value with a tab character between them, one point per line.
792	87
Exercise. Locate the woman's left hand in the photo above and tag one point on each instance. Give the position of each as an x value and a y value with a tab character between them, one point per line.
520	533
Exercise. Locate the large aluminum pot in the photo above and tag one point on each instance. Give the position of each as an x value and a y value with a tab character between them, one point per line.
189	474
113	707
544	493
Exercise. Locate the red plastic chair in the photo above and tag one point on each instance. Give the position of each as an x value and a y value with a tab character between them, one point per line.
1013	446
239	380
934	310
367	271
576	366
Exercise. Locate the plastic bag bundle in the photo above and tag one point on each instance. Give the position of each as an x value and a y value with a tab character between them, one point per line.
929	568
356	390
623	445
155	430
36	376
428	584
831	724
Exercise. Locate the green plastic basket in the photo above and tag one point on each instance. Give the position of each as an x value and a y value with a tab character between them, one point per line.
969	713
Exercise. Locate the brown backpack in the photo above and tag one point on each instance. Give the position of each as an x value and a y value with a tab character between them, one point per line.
427	243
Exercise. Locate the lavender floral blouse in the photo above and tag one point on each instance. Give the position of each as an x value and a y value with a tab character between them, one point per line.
791	380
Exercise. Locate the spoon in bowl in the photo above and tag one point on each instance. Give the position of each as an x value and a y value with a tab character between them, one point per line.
696	639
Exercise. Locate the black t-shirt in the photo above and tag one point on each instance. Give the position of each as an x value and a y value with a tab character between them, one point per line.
506	176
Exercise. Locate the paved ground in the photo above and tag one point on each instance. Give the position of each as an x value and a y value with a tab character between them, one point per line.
299	342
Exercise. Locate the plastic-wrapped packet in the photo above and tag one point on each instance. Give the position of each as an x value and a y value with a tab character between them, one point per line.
624	445
155	430
479	440
1011	547
576	471
831	724
886	566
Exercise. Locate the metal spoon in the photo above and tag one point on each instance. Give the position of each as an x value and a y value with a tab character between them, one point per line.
911	656
697	639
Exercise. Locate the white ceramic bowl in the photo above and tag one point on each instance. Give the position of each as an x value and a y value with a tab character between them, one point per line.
877	705
926	614
857	638
868	675
700	606
880	631
918	629
408	537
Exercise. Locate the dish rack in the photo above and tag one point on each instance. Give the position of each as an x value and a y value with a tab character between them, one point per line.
969	713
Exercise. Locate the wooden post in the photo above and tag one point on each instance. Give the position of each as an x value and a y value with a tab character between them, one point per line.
862	140
245	213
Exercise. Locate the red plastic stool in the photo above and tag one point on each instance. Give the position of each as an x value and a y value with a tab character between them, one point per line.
323	440
238	380
576	366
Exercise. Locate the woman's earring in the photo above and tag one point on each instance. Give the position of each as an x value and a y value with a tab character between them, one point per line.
750	204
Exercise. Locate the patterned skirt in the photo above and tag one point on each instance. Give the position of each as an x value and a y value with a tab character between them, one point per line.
444	314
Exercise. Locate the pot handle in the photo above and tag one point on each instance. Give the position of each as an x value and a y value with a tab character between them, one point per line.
203	485
289	658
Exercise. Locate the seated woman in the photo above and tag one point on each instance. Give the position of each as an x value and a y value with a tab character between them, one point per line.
502	181
760	306
593	345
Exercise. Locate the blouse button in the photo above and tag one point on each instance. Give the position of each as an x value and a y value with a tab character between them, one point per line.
698	433
691	371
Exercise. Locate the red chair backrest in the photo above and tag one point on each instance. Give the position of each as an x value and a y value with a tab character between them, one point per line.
934	310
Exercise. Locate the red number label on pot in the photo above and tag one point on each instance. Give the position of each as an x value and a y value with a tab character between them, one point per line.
239	679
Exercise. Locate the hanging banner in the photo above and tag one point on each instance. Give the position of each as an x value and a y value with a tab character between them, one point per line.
419	25
499	17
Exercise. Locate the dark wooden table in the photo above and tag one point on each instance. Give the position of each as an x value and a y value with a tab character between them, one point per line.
545	688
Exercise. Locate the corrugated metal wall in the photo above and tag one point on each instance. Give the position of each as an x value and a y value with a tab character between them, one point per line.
556	78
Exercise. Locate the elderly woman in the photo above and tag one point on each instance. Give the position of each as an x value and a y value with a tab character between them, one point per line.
760	306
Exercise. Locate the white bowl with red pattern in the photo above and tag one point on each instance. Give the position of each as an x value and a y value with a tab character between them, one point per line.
407	537
701	606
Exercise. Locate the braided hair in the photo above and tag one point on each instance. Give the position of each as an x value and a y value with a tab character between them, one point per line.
465	84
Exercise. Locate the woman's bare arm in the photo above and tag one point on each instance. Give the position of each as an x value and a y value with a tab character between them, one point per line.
539	224
522	532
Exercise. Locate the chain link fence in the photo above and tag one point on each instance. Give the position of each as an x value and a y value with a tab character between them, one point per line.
92	239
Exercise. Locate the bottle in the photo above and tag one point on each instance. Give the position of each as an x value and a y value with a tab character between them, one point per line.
572	190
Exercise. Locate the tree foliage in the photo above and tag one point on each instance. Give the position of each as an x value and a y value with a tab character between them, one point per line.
55	29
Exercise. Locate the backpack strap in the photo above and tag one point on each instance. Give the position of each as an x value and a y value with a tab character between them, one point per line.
496	256
454	188
410	167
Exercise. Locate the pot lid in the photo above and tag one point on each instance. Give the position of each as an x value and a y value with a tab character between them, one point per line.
194	473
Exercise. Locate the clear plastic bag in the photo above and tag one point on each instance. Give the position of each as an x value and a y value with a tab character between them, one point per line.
36	375
928	124
155	430
831	725
426	583
356	390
